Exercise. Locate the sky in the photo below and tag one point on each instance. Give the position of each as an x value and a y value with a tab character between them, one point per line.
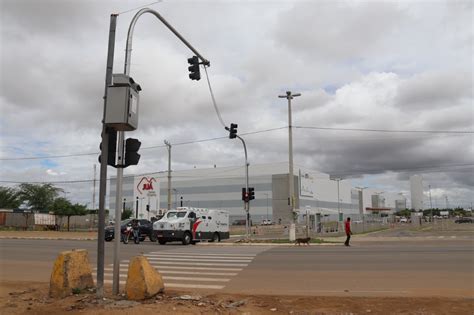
372	75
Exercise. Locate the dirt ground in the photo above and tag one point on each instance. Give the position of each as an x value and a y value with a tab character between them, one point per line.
32	298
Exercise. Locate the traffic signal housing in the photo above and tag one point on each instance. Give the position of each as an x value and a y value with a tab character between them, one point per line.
251	193
195	73
245	195
233	131
131	152
112	147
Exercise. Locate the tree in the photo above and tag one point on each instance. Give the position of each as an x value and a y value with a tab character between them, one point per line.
9	198
63	208
39	197
126	214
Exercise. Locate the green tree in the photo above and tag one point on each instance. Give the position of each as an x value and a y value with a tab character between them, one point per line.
9	198
126	214
63	208
39	197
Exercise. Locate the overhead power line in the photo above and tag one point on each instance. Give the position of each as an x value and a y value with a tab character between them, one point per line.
428	169
247	133
386	130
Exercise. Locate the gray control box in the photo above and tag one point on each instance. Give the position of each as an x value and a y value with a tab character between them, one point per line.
122	103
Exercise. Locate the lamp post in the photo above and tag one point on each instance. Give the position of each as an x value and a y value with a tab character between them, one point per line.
291	198
175	191
431	205
168	146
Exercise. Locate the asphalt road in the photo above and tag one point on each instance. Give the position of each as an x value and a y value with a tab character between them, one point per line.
425	268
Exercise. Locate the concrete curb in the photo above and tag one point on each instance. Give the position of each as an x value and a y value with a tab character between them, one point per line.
48	238
198	244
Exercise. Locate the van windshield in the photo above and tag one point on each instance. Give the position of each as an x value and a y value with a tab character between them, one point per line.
174	214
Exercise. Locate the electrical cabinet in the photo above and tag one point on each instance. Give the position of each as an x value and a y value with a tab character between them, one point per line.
121	111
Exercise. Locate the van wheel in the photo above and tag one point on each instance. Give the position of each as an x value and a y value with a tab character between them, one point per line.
153	237
162	242
187	238
215	238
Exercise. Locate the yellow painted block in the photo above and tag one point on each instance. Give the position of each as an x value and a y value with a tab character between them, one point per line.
143	281
71	270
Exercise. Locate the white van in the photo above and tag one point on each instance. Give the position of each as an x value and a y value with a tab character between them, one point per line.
191	225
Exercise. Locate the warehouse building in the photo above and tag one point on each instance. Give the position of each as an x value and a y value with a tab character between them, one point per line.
221	188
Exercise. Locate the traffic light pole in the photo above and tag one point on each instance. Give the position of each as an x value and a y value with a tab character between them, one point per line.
103	163
118	215
118	197
168	146
247	202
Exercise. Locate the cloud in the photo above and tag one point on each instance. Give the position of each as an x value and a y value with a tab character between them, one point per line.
369	65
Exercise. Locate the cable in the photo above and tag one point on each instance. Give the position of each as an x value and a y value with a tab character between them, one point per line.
213	98
248	133
384	130
142	6
145	148
456	167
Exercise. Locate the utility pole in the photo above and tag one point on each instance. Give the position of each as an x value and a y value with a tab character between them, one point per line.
431	205
103	164
168	146
291	199
93	201
338	200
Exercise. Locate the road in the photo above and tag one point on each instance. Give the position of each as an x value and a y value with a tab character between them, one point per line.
421	268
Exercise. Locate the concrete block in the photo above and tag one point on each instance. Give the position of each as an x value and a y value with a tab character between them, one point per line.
71	270
143	281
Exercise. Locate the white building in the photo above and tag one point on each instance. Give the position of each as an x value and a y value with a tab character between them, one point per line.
221	188
416	191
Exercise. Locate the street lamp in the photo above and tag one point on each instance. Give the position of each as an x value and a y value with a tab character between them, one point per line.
291	199
175	191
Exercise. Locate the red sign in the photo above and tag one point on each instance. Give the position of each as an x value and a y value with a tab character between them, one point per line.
145	184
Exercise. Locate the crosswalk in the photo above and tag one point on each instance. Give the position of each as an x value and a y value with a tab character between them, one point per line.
190	270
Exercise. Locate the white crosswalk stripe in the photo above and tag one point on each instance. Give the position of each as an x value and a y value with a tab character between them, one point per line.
190	270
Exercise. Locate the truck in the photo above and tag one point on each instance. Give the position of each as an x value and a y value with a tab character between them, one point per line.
192	225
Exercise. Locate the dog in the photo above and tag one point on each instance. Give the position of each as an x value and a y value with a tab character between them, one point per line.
300	241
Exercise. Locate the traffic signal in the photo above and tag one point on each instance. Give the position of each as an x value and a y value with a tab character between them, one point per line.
251	193
195	73
111	149
245	195
233	131
131	152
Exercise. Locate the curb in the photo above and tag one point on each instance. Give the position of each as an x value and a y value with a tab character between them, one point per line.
198	244
47	238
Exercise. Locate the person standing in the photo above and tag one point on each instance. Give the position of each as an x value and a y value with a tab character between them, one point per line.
348	231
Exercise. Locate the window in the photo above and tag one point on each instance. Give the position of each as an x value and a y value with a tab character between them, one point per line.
209	218
204	217
192	215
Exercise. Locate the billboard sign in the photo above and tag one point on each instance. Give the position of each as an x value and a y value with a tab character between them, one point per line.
146	192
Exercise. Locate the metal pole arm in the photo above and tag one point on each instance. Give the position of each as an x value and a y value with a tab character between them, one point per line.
128	48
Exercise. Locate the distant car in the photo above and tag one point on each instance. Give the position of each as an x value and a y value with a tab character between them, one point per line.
403	220
145	228
463	220
239	222
267	222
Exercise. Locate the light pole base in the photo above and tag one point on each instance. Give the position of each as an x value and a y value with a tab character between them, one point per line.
292	234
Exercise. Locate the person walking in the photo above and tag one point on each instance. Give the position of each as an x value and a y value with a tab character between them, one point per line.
348	231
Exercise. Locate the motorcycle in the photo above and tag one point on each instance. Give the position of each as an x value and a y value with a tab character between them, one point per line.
129	231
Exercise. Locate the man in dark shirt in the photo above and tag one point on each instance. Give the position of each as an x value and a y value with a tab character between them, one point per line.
348	231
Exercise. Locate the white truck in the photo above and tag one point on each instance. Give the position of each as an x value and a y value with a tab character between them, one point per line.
191	225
